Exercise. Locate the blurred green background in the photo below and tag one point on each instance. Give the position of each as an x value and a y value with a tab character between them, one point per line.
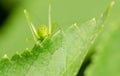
15	32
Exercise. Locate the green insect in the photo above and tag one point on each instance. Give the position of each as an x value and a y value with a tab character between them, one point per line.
43	31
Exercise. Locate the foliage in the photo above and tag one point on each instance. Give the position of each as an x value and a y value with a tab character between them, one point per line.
61	54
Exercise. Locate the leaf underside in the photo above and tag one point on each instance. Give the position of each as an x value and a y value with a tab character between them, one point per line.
61	55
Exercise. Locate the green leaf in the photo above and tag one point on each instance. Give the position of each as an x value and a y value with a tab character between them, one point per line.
54	56
59	55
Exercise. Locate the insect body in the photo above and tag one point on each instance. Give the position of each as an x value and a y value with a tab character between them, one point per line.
43	31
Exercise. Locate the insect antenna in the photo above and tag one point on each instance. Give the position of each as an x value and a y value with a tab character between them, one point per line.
32	28
49	21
